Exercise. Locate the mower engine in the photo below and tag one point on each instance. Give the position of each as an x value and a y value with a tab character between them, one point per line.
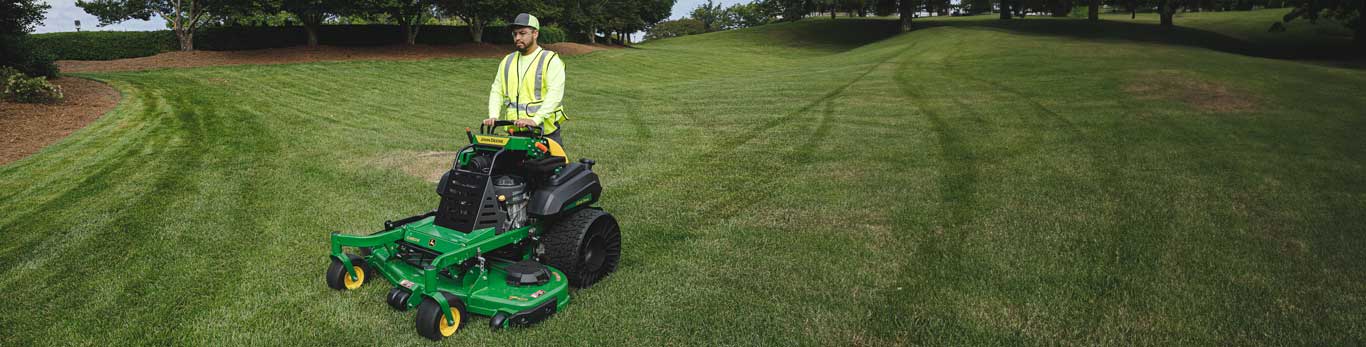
512	197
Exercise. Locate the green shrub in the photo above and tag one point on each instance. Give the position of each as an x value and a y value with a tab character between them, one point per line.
18	51
552	34
31	90
7	72
105	45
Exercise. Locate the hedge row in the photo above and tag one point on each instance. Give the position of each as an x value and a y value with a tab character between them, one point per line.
106	45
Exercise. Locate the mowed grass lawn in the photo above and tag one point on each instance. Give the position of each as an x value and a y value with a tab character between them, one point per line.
812	183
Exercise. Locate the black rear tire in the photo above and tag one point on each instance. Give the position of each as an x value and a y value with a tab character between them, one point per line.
585	245
430	322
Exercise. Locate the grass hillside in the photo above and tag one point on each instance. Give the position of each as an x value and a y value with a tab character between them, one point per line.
812	183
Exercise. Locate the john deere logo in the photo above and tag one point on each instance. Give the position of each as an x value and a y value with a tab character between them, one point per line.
582	200
491	140
431	243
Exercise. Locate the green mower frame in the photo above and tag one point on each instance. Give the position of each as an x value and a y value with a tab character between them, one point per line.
515	228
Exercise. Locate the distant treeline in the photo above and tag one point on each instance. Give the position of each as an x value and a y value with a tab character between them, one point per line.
106	45
584	20
710	16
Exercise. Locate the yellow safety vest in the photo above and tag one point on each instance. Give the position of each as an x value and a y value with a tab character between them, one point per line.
523	94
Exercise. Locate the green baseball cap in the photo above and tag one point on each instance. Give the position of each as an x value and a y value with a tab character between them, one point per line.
527	20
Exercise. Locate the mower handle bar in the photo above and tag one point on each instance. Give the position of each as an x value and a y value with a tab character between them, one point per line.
486	129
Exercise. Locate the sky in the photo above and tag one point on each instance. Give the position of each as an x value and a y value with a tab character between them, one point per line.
64	12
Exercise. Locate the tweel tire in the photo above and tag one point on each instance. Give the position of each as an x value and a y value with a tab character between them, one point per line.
585	245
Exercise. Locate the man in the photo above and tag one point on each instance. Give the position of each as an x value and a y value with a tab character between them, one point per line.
529	84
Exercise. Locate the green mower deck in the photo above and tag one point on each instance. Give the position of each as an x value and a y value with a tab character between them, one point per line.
516	227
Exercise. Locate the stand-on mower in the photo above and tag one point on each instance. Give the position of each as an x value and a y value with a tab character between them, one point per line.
516	225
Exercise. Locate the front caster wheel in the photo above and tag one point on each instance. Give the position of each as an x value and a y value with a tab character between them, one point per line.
499	321
338	279
431	322
398	299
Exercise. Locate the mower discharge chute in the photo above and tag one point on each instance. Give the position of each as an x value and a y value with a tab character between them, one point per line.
515	227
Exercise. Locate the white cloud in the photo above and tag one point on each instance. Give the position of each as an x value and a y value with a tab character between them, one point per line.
63	14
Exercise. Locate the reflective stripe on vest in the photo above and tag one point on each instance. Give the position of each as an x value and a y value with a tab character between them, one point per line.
524	108
540	63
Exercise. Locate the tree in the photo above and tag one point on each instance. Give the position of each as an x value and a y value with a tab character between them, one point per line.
584	16
17	19
184	16
711	15
409	14
312	13
793	10
748	14
627	16
478	13
907	9
19	16
675	28
1093	13
1351	13
1166	9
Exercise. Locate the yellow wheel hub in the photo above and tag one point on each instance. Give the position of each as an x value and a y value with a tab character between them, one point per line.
449	329
360	278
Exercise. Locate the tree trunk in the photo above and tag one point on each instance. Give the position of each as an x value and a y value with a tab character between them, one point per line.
410	29
311	21
312	30
476	29
906	9
1094	12
592	35
186	39
1006	11
1360	36
1166	11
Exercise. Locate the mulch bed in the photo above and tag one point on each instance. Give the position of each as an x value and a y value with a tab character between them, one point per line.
27	128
